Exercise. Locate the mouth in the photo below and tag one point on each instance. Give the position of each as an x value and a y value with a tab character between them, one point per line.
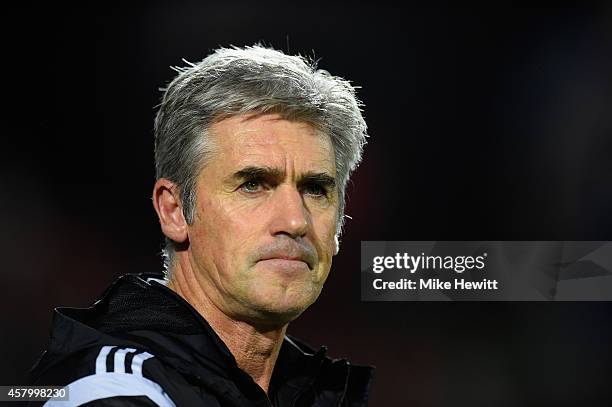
286	255
286	266
291	261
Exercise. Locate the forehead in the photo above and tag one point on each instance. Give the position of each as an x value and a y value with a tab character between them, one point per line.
273	141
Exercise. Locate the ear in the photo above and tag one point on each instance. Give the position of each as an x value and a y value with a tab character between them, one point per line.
167	203
336	245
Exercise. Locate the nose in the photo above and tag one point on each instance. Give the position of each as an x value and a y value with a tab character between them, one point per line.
289	214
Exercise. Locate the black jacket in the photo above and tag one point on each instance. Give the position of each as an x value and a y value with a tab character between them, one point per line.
141	345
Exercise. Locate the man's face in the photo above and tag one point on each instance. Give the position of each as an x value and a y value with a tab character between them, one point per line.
263	234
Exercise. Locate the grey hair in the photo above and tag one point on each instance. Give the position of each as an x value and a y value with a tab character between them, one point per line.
253	79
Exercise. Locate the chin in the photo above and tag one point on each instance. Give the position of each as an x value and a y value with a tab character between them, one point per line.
281	310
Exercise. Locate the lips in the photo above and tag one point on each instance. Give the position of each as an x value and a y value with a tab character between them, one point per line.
289	251
286	267
288	258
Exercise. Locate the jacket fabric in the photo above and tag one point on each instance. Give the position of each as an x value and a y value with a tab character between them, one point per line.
141	344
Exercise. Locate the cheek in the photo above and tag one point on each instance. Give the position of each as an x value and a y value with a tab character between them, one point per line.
326	231
227	227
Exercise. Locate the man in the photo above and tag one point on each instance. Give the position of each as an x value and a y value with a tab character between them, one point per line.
253	151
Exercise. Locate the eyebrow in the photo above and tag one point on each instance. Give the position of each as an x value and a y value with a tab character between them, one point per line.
275	174
251	172
319	178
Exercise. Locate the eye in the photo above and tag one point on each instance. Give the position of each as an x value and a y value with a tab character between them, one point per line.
316	190
251	186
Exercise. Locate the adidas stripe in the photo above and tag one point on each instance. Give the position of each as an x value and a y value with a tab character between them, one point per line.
118	373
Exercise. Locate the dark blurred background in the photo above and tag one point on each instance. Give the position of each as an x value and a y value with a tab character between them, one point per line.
489	123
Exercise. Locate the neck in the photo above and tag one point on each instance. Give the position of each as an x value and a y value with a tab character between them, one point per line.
255	349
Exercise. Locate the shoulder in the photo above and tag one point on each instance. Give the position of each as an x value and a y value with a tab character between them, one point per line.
108	376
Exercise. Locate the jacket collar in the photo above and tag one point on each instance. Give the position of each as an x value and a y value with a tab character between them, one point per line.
140	311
